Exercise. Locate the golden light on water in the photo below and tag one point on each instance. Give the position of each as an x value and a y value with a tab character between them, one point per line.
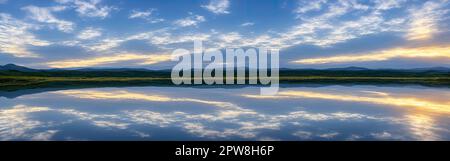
126	95
386	99
118	95
420	118
423	127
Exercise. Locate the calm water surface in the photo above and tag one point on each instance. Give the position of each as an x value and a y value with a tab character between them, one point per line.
174	113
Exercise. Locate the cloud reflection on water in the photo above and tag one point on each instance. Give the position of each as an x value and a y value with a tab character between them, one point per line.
422	125
383	98
230	119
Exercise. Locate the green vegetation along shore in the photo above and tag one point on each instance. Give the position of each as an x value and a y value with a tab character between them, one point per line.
16	77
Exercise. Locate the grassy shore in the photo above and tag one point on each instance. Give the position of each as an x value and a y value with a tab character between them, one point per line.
33	80
15	82
25	78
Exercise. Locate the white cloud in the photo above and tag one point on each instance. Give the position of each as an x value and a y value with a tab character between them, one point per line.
146	15
105	44
162	39
323	29
424	20
89	33
247	24
327	28
388	4
230	37
15	37
306	6
3	1
141	14
167	40
70	43
192	20
45	15
218	6
89	8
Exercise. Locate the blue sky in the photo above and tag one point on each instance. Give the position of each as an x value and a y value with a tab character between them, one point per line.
309	34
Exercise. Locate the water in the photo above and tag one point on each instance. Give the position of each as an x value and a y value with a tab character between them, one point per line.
180	113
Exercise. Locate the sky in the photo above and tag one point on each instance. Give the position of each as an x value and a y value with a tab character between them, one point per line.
143	34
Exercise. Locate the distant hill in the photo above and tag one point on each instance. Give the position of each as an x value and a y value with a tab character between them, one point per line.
15	70
13	77
442	69
352	68
348	69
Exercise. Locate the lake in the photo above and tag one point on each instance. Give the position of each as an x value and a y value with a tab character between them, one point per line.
361	112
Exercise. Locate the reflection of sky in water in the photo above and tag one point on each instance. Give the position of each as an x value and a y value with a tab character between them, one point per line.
168	113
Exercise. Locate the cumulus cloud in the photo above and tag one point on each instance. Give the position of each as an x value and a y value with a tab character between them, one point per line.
45	15
89	33
306	6
192	20
105	44
247	24
89	8
140	14
327	27
161	39
15	37
146	15
230	37
323	29
218	6
323	23
388	4
424	20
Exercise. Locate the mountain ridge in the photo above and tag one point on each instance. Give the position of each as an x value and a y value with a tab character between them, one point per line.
14	67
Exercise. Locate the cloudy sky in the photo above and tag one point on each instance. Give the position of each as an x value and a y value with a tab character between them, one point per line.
309	34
